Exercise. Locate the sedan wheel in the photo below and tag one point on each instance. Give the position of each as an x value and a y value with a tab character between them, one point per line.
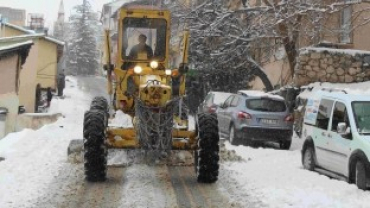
360	175
308	159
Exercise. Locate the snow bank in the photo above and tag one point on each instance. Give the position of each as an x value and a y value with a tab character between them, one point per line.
277	178
33	159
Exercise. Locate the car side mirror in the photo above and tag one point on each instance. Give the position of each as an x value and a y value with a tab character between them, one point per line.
344	130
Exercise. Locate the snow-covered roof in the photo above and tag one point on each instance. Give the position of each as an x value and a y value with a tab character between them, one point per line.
332	50
11	47
18	28
256	93
14	45
54	40
31	36
139	4
116	3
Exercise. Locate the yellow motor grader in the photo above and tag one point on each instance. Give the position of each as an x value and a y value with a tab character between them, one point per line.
141	84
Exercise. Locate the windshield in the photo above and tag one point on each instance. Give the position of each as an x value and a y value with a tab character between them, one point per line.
144	39
361	112
220	98
266	105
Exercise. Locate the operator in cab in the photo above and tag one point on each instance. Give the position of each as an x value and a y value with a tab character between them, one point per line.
141	51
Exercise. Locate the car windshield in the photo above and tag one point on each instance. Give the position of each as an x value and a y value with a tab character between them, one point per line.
361	112
144	39
266	105
220	98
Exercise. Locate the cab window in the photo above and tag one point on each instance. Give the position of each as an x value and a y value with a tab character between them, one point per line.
324	112
144	39
339	116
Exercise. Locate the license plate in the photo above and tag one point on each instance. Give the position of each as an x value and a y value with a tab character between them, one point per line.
269	121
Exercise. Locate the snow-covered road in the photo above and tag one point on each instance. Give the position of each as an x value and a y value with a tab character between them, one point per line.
36	172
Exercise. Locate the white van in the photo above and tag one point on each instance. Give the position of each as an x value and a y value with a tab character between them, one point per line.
336	130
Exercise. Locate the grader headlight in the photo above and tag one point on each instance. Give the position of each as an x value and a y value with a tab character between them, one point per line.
154	64
138	69
168	72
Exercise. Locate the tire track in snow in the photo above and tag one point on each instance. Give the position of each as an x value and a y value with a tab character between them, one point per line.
182	195
70	190
190	193
102	194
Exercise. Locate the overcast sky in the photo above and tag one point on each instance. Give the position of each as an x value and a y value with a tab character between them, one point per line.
49	7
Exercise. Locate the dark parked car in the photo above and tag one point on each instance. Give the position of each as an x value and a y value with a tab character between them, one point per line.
212	101
254	115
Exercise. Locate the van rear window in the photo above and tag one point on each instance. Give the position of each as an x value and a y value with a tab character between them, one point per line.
266	105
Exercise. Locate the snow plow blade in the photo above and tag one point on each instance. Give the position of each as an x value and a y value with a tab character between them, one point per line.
75	151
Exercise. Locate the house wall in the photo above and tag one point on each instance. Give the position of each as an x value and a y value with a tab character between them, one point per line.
11	102
361	34
47	64
6	31
277	72
27	90
8	95
14	16
8	71
330	25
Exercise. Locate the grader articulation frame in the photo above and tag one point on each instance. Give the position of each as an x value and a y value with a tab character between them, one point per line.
144	88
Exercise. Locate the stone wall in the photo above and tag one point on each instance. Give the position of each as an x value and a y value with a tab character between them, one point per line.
331	65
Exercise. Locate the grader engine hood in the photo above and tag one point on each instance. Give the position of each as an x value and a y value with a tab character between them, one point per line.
154	93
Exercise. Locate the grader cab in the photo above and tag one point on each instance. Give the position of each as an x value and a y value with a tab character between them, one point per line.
141	84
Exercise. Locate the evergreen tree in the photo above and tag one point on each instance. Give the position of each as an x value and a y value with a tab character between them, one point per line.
82	51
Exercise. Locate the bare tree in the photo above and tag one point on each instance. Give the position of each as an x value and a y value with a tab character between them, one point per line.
219	44
300	23
243	39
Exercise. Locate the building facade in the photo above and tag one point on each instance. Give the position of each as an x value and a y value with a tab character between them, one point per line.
345	28
12	57
40	67
13	16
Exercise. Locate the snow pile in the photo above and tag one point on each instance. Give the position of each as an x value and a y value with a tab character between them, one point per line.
121	120
227	155
75	151
277	178
33	159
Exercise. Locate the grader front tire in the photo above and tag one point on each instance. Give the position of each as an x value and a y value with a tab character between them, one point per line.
208	149
95	151
99	103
